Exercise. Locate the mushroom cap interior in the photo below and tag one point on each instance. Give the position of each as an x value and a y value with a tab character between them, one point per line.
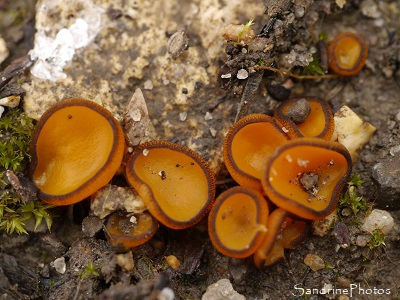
282	181
253	144
239	222
316	122
348	51
174	185
73	145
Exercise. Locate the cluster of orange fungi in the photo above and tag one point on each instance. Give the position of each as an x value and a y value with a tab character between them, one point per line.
288	171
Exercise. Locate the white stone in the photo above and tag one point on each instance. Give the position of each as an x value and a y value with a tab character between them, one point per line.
378	219
208	116
3	50
183	116
242	74
59	265
222	289
351	131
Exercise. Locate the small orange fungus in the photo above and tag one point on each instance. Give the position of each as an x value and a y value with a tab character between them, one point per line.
237	222
283	233
347	54
306	176
127	230
77	147
175	183
247	146
319	122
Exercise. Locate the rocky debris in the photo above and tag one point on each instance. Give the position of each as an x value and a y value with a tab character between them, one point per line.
125	261
59	265
53	246
112	198
324	226
315	262
156	289
17	280
222	289
341	233
386	175
177	43
378	220
3	50
351	131
91	225
137	123
299	111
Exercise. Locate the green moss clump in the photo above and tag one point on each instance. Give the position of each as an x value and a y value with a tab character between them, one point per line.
351	199
16	130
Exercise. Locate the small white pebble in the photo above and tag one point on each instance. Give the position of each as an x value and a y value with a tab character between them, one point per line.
133	220
148	85
378	219
229	75
242	74
59	265
213	131
136	115
145	152
208	116
244	50
166	294
183	116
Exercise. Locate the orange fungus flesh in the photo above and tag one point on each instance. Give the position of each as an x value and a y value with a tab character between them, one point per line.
319	123
347	52
237	222
130	230
283	233
77	148
175	182
247	146
306	175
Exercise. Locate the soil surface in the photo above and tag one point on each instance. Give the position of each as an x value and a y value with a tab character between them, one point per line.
198	113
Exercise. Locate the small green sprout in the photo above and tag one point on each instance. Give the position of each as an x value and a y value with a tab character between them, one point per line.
245	29
14	212
377	239
90	270
314	67
350	198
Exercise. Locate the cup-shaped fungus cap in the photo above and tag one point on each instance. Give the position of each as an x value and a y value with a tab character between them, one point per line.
283	232
347	54
306	176
126	230
175	183
77	147
237	221
247	146
318	122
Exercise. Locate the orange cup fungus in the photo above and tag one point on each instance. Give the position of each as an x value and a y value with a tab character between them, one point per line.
77	147
306	176
175	183
247	146
284	232
318	123
237	222
348	52
127	230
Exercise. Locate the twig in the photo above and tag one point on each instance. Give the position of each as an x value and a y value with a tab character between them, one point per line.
15	68
248	94
287	73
